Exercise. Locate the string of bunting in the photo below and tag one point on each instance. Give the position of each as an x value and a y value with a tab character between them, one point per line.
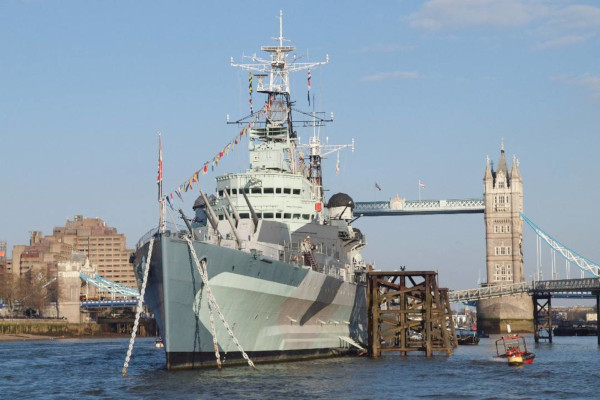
189	183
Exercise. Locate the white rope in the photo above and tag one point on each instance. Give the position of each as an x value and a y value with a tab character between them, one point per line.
213	330
139	308
213	305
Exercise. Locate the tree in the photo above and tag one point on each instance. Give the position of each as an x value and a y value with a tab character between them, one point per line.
9	291
34	290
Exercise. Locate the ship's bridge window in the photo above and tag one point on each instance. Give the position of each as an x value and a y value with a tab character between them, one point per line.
287	190
277	215
277	190
259	215
245	215
305	216
220	218
233	191
245	190
220	193
256	190
296	216
268	190
268	215
287	216
296	191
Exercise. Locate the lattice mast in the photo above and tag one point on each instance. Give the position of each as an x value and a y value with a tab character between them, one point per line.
277	68
317	151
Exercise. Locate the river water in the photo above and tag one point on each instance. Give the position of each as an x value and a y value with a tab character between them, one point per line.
569	368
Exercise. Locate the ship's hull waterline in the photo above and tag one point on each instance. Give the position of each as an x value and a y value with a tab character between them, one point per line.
277	311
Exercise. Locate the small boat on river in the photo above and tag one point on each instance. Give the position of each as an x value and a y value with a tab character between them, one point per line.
467	338
514	349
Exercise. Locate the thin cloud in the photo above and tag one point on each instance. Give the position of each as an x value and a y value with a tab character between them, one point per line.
384	48
576	17
587	81
557	24
563	41
461	14
386	76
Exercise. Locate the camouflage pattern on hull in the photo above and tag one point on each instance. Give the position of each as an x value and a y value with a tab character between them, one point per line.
275	309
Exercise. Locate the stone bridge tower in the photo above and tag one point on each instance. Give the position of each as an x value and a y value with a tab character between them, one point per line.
503	198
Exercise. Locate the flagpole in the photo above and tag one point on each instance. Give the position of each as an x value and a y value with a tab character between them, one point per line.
159	178
419	190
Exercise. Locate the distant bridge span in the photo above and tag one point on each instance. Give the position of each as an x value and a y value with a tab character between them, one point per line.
418	207
563	288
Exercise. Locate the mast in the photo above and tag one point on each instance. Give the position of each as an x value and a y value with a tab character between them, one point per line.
278	106
159	179
278	125
317	151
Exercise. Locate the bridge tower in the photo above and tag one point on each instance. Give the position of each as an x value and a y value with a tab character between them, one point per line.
503	199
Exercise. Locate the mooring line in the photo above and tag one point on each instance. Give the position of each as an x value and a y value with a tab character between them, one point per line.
139	309
202	270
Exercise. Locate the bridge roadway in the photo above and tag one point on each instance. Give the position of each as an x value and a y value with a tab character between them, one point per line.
418	207
562	288
87	304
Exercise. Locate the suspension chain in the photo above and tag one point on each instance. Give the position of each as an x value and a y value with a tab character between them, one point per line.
202	270
139	308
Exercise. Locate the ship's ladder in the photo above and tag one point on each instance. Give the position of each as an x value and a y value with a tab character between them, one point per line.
213	305
139	308
310	259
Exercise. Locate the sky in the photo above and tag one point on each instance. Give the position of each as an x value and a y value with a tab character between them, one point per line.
427	89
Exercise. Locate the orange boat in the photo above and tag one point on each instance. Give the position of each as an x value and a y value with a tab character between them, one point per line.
514	349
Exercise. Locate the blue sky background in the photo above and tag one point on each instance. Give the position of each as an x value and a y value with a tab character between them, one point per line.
426	89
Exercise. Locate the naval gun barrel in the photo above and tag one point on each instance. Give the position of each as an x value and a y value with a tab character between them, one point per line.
233	228
212	218
187	223
233	210
252	213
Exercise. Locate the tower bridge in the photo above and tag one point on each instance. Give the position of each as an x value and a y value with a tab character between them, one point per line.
506	295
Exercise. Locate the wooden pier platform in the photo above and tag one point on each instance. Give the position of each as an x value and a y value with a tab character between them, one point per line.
407	312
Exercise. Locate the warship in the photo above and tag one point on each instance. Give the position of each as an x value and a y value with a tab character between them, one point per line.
266	253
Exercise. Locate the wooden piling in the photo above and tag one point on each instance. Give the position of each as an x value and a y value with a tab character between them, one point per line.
407	312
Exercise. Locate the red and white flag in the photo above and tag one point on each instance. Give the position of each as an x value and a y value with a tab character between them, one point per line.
160	169
159	175
421	185
309	76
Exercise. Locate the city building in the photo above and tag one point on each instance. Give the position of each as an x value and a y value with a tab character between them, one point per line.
103	245
4	267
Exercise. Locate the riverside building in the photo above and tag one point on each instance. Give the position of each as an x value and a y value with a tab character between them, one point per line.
103	245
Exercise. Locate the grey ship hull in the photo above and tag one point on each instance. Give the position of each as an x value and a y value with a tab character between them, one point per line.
277	311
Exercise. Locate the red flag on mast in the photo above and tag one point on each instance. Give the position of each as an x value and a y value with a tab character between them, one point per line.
160	169
159	176
309	76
